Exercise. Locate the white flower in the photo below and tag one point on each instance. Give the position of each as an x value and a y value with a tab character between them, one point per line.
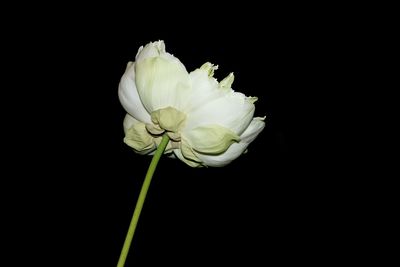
208	123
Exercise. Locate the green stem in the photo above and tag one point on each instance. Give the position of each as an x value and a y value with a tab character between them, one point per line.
142	197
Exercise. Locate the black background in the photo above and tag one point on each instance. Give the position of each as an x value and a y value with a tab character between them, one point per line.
76	182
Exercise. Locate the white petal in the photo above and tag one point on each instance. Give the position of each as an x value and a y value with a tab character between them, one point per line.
255	127
216	103
236	149
204	89
229	109
191	163
162	82
152	49
129	96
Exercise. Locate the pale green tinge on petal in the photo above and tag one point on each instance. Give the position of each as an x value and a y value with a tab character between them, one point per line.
191	163
233	152
174	136
252	99
139	139
188	152
152	49
211	139
209	68
169	119
227	82
230	109
154	129
128	122
162	83
236	149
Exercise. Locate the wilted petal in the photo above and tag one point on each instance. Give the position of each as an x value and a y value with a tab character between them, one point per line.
236	149
162	83
129	96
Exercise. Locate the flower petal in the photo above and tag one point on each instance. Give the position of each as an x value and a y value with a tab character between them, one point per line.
255	127
211	139
161	83
226	83
191	163
137	137
129	96
216	103
152	49
204	89
129	121
168	118
236	149
233	152
188	152
229	109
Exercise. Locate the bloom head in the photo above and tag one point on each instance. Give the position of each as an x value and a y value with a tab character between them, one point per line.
208	123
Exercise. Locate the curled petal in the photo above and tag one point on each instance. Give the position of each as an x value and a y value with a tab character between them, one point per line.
188	152
129	97
212	139
236	149
191	163
154	129
231	110
255	127
208	123
216	103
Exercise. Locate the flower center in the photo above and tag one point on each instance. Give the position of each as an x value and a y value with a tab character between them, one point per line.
168	120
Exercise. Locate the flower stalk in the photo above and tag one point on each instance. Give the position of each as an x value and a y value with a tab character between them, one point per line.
141	199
